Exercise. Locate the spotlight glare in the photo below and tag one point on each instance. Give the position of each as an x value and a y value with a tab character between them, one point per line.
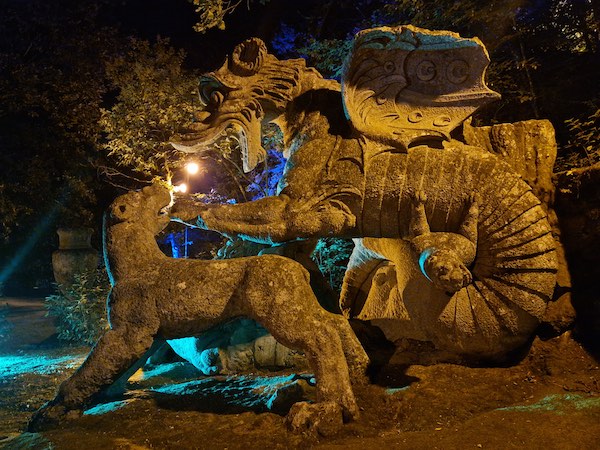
181	188
192	168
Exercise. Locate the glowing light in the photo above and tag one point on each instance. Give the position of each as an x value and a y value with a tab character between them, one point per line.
181	188
192	168
23	252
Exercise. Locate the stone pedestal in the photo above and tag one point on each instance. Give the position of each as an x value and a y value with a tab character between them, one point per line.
75	255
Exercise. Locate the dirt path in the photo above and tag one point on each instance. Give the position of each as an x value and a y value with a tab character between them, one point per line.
550	400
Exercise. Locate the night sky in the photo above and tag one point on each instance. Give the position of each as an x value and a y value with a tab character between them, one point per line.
175	19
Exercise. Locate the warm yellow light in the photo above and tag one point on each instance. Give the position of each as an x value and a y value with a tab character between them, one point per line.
192	168
181	188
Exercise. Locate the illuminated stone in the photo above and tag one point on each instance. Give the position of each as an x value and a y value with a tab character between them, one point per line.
157	297
359	154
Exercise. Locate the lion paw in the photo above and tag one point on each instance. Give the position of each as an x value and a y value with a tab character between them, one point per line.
323	418
186	209
50	415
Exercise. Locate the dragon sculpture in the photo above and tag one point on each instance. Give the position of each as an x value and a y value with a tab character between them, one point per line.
451	245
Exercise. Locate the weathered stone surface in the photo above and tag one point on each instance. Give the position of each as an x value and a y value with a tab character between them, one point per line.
530	148
578	208
241	346
360	180
154	296
268	353
323	418
404	83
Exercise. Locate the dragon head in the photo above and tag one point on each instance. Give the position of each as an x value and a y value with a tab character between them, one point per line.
250	87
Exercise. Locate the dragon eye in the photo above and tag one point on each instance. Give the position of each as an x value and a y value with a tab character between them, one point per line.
216	98
211	97
212	92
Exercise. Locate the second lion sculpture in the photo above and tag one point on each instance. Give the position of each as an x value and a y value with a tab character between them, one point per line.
154	296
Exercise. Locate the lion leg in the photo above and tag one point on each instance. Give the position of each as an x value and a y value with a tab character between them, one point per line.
309	330
356	357
113	354
118	387
335	400
322	346
468	228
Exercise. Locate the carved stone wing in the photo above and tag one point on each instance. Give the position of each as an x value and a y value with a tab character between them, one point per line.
403	83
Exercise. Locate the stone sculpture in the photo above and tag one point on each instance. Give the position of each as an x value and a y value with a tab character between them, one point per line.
359	155
443	256
154	296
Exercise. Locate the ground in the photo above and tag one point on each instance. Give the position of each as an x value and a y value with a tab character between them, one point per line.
550	400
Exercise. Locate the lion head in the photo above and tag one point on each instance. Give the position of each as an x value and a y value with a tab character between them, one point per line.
145	208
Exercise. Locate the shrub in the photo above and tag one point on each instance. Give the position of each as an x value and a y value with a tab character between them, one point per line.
80	308
332	255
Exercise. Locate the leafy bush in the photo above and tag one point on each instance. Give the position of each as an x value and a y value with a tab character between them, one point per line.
332	255
583	147
153	103
80	310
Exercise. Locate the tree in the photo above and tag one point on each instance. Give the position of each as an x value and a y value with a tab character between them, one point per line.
212	13
154	100
50	93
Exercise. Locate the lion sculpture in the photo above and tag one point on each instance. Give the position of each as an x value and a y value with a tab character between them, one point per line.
157	297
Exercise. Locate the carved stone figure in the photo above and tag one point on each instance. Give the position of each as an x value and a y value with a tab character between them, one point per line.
154	296
443	256
359	155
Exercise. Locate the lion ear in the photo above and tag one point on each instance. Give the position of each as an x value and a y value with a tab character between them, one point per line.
248	57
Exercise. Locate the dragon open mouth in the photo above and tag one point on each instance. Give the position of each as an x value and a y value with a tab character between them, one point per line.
245	131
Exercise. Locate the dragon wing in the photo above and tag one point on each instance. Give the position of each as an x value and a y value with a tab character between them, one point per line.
404	83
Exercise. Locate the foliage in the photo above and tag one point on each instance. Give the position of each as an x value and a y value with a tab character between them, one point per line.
52	83
327	55
571	26
152	104
50	91
239	248
80	311
211	13
266	179
284	42
332	255
584	143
